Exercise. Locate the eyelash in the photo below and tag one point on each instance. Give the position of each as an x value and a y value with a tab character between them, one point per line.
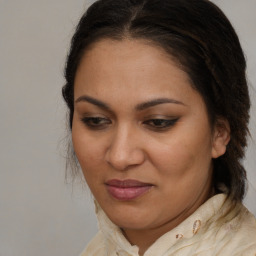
160	124
96	123
157	124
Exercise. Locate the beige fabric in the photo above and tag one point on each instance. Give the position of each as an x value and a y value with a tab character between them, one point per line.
213	230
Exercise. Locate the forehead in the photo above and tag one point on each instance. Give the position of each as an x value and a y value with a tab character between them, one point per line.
130	68
138	51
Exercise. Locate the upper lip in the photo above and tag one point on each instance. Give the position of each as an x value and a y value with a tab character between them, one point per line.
127	183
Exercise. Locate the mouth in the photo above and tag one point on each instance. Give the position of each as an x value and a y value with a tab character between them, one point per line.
126	190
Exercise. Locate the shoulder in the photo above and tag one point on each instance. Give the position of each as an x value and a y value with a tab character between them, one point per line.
231	232
96	247
238	236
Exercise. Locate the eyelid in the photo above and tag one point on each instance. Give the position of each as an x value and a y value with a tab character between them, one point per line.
157	116
95	118
88	122
167	123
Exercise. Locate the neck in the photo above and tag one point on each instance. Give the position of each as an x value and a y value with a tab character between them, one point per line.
146	237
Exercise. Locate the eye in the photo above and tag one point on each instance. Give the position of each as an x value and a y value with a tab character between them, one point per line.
96	123
160	124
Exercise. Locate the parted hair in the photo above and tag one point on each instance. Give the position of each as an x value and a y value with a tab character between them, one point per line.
201	39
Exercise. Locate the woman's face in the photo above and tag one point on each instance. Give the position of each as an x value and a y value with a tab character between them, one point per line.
141	134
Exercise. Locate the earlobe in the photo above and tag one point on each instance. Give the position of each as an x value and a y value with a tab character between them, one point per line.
221	138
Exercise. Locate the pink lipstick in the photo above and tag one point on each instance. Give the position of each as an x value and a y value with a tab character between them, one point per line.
125	190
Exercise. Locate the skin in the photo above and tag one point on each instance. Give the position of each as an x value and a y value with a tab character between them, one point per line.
115	138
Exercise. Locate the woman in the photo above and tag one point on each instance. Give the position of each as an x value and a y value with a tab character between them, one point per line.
158	110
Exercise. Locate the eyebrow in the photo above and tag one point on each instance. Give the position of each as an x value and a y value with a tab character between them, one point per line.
155	102
93	101
139	107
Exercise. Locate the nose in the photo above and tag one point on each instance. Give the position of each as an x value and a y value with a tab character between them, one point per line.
125	150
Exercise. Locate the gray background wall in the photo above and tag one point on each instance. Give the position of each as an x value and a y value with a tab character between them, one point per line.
39	213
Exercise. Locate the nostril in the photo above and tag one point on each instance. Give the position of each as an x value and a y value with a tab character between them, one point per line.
121	159
125	149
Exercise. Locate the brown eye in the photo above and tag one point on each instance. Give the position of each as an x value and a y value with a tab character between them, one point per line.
96	122
160	123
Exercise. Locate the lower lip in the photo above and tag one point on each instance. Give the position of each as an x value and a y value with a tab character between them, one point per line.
125	194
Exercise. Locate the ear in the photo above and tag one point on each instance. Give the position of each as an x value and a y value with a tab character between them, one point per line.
221	137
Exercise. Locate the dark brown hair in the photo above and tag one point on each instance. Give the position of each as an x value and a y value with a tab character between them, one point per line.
202	40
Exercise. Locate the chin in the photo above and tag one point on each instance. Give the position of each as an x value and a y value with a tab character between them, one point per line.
130	218
135	224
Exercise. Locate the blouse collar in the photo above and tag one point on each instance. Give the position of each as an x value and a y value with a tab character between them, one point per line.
194	224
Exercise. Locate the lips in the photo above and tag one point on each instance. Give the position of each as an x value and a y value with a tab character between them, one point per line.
125	190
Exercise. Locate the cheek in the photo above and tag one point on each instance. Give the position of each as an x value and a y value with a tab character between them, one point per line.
172	160
89	160
186	154
88	151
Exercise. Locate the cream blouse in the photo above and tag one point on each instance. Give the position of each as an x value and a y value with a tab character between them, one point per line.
212	230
